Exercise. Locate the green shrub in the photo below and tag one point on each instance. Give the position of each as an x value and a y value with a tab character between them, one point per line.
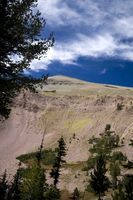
118	155
128	165
120	106
52	193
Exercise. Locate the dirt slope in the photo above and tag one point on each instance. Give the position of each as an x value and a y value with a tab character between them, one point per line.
65	107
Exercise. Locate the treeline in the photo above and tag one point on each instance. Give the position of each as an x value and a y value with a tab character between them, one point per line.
30	183
106	170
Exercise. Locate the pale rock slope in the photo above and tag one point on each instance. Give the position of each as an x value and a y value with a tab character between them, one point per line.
70	107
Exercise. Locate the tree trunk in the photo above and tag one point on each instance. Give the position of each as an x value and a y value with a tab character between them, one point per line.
99	196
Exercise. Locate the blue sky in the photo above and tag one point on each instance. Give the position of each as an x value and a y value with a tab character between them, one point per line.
94	40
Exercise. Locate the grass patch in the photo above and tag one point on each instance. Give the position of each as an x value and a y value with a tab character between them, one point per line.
49	93
48	157
52	119
76	166
77	124
64	120
65	195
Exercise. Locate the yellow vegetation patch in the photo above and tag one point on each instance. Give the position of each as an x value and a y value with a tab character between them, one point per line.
49	94
77	124
63	120
51	119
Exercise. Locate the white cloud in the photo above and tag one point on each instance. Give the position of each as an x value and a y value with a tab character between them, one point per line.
94	46
128	55
124	26
68	53
43	63
101	27
57	12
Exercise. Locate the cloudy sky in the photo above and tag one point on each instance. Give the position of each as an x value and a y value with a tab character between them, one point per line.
94	40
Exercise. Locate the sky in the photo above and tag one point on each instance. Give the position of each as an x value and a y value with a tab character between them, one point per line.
93	40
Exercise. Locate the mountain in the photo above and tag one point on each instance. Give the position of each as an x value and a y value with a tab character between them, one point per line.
70	107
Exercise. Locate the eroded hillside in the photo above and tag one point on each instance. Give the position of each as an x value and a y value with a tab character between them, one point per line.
69	107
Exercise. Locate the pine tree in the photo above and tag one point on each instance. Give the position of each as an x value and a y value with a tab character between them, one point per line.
61	152
103	145
128	186
76	194
114	172
20	26
52	193
124	189
99	182
33	184
14	190
118	193
3	186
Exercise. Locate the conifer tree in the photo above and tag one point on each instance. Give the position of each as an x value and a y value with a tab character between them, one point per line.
76	194
52	193
20	26
3	186
61	152
124	190
102	145
99	182
14	190
128	186
118	193
114	172
33	184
